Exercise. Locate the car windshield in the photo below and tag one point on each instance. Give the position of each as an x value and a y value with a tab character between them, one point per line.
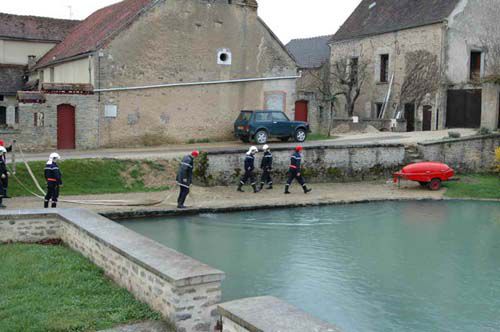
278	116
244	117
263	117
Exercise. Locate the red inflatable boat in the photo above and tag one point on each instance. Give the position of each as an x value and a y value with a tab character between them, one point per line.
428	174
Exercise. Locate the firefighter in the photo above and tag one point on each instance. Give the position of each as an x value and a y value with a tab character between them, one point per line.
267	166
185	177
54	180
4	175
294	172
5	180
249	168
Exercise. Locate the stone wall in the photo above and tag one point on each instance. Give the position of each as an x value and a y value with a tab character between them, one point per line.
471	154
268	314
397	45
182	289
320	163
44	135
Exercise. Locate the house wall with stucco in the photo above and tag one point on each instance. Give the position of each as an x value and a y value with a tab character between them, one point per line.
178	42
397	44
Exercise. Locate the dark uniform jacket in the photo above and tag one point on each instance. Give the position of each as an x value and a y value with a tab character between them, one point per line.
185	173
3	167
267	161
295	162
249	163
53	174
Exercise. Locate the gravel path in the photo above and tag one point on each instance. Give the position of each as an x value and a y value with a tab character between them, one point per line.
227	197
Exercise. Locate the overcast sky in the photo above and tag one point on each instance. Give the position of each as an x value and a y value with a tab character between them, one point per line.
288	18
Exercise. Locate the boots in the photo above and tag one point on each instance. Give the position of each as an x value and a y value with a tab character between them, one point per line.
286	190
261	186
46	204
54	205
239	188
255	189
306	190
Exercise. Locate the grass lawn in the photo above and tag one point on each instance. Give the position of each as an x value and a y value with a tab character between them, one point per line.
52	288
475	186
94	176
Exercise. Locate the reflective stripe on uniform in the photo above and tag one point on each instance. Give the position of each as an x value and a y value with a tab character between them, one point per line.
183	185
293	166
186	164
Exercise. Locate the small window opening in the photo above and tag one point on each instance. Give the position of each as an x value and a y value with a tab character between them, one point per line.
475	65
38	118
378	108
1	97
3	116
223	57
354	70
384	68
16	115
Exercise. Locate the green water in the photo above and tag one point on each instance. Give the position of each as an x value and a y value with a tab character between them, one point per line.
417	266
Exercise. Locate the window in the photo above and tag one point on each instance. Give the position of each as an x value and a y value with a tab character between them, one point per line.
245	116
379	107
262	117
224	57
475	65
38	118
384	68
279	117
1	97
354	70
3	116
52	75
16	115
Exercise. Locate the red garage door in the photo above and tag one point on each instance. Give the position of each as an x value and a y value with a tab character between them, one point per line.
65	127
301	110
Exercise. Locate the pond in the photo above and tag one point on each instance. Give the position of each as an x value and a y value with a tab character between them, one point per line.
408	266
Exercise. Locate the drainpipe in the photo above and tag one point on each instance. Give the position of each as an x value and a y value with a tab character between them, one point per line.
171	85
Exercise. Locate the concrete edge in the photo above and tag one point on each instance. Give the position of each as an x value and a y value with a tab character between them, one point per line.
190	278
461	139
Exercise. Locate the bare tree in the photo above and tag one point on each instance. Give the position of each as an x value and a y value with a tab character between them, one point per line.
320	81
421	79
347	78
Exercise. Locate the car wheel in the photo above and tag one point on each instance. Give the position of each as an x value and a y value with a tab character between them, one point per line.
300	135
435	184
245	139
284	139
261	137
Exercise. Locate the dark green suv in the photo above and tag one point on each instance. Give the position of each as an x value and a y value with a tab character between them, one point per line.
259	126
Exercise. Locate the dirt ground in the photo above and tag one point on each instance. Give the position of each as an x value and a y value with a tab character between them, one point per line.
224	197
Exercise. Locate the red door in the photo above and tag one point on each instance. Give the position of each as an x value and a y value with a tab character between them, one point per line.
65	127
301	110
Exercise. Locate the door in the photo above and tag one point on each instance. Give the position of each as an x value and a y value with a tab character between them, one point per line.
410	117
426	126
464	109
281	125
301	111
65	127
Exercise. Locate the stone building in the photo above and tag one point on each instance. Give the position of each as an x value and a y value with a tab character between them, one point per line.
23	40
145	72
427	61
312	56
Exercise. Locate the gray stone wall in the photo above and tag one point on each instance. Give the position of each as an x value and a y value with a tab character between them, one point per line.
15	229
45	136
475	154
320	163
178	41
180	288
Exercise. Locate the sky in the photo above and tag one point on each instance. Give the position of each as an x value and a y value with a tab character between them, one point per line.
288	19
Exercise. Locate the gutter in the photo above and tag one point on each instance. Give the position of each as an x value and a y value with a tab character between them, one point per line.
171	85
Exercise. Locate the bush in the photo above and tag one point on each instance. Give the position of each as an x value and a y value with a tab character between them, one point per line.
498	159
484	131
454	134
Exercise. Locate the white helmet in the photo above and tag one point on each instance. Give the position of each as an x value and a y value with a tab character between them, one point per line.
3	150
54	156
253	149
265	147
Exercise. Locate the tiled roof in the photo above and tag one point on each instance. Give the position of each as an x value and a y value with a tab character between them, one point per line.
310	52
94	31
374	17
34	28
11	79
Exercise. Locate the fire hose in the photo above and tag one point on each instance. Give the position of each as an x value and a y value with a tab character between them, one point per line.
130	203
